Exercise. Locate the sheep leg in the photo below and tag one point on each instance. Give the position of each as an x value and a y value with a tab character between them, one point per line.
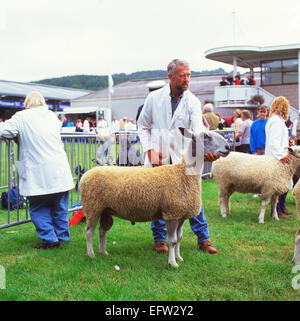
179	237
264	204
224	203
89	232
296	258
172	234
106	222
274	202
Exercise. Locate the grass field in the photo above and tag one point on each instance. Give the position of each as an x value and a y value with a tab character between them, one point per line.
253	263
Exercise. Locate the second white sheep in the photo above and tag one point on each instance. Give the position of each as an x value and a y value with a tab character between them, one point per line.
245	173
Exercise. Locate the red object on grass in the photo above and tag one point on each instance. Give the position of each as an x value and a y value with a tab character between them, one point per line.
76	218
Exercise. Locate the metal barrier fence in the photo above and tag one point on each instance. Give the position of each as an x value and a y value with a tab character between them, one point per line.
83	152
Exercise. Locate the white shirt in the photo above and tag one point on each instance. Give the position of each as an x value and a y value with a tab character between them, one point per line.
277	137
294	129
102	124
114	126
86	126
43	167
156	125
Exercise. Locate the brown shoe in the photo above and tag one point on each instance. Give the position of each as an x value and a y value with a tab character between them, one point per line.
161	247
207	247
286	212
282	215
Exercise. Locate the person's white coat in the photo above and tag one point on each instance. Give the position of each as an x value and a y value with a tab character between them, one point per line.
157	127
277	137
43	167
86	126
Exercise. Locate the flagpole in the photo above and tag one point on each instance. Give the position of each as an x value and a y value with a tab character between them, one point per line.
110	89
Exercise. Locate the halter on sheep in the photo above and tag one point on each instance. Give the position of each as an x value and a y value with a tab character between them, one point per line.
137	194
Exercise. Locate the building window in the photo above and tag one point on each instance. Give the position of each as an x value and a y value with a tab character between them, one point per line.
279	72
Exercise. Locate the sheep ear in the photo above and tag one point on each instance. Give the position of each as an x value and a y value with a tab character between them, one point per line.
186	133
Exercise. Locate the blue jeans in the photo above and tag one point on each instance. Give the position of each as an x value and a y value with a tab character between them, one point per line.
281	202
198	225
49	214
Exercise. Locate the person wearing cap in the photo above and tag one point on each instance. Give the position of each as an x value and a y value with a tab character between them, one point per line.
165	110
153	85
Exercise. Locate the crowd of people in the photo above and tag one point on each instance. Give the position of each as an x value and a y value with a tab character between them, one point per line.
237	81
89	125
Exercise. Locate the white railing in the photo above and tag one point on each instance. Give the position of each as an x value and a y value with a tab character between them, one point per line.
240	96
235	96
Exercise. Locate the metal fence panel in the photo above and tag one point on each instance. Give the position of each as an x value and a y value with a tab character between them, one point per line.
84	151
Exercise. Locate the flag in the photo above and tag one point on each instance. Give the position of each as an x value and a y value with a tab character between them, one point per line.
2	17
110	84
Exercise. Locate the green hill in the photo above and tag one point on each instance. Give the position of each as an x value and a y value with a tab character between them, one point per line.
94	82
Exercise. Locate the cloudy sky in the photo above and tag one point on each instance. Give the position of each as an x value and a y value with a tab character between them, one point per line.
52	38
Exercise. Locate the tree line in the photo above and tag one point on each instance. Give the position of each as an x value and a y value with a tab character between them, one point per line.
95	82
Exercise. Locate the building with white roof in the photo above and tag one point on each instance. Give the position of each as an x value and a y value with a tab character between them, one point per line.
278	71
275	70
12	96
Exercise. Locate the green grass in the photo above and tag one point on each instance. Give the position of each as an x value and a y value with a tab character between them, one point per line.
253	263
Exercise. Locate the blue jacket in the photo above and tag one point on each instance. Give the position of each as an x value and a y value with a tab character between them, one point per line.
258	135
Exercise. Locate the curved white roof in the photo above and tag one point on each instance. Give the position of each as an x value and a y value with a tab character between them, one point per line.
251	56
21	89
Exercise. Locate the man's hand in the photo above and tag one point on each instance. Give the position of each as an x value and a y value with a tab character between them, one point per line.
155	158
285	159
210	157
291	142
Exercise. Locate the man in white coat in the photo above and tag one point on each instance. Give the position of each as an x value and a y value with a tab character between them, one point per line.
44	174
167	109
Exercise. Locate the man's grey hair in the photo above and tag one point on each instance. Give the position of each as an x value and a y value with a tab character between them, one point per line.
208	107
174	63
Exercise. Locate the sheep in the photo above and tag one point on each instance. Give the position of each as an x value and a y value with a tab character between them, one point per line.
141	194
296	193
245	173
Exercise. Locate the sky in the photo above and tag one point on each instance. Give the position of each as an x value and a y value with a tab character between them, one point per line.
52	38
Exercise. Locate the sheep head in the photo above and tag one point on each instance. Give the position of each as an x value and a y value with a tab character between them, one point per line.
213	142
199	144
294	151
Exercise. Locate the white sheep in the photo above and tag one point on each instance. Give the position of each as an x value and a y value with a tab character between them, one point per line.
245	173
296	193
141	194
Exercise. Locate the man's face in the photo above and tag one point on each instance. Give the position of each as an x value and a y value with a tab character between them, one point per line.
181	78
262	114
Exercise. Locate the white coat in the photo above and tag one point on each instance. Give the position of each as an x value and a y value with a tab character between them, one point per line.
277	137
156	126
43	167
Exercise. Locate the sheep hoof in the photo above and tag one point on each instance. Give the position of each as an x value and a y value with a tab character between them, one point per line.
91	255
261	221
104	252
179	258
173	264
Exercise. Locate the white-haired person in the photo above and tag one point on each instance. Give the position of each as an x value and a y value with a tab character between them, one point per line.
44	173
212	119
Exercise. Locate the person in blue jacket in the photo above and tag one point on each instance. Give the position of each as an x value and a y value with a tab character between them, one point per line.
257	132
